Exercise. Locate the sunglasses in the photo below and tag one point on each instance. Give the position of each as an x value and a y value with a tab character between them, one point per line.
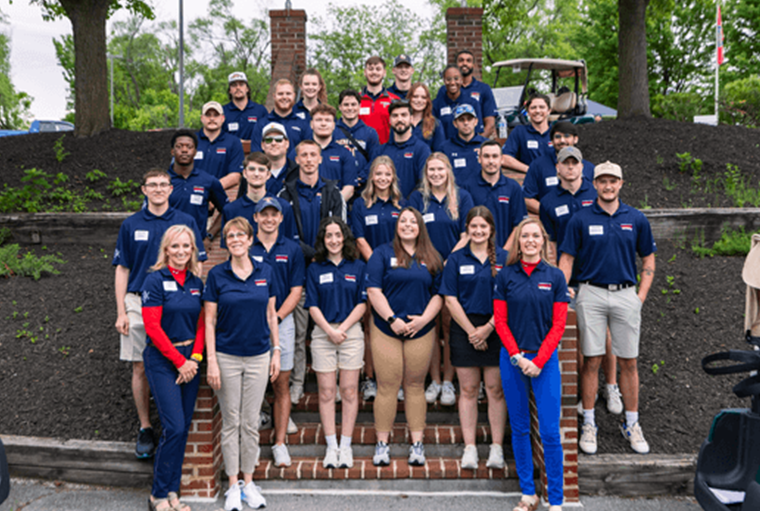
270	140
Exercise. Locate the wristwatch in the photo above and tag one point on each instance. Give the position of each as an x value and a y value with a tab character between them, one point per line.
197	357
515	359
391	319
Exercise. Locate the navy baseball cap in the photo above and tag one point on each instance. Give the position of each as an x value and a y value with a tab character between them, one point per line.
268	202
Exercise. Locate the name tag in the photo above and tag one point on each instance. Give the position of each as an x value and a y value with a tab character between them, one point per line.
394	262
196	199
467	270
258	259
446	110
233	126
532	144
552	181
301	115
170	285
370	220
562	210
142	235
460	162
430	217
325	278
199	155
595	230
364	110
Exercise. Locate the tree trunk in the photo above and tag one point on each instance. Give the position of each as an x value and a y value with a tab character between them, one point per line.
88	21
633	93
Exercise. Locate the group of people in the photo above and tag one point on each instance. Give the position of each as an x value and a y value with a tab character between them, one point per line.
391	238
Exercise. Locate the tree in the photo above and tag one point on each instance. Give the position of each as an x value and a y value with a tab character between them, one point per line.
88	23
633	81
14	106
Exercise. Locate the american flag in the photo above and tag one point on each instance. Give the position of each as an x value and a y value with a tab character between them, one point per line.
719	38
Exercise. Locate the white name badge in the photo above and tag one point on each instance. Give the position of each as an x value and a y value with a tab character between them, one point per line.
370	220
170	285
199	155
233	126
446	110
460	162
325	278
595	230
196	199
430	217
258	259
532	144
394	262
467	270
552	181
142	235
364	110
562	210
302	115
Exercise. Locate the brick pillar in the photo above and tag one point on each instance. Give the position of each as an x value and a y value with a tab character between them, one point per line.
568	424
203	454
288	39
464	31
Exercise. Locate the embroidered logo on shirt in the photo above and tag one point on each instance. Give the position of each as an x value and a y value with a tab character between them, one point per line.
503	199
195	292
394	214
408	155
252	119
197	189
498	267
626	227
334	158
221	150
475	96
586	203
281	258
146	296
545	286
301	115
261	282
350	278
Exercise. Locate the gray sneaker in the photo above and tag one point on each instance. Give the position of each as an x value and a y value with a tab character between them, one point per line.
400	395
281	455
432	392
265	421
382	457
369	389
417	454
296	393
292	428
448	394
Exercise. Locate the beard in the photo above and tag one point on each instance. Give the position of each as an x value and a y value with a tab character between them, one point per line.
400	130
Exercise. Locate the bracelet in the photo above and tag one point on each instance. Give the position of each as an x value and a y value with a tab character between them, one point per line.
277	348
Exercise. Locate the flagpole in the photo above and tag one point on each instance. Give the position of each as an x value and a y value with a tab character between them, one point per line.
718	35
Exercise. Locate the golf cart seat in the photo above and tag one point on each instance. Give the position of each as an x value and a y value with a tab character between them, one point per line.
563	103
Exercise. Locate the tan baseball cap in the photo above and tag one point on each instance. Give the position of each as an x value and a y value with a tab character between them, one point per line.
212	105
608	169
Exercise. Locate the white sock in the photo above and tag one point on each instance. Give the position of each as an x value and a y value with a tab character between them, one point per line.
345	441
589	417
332	441
631	418
611	386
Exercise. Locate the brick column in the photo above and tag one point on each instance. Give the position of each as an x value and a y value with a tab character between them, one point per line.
288	39
464	31
568	424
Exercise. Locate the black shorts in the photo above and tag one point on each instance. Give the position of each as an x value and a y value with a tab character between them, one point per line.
462	352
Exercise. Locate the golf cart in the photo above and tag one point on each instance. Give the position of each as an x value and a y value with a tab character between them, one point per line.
568	104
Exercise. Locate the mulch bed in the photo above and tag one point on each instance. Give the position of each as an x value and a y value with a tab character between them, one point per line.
69	383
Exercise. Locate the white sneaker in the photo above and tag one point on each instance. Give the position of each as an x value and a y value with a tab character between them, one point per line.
614	400
337	395
431	393
345	457
369	389
482	391
470	457
253	497
232	501
265	421
281	455
448	394
555	508
587	442
400	395
382	455
580	405
417	454
635	436
296	393
292	428
331	458
495	457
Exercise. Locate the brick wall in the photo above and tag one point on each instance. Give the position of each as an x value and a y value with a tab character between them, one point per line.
288	39
464	31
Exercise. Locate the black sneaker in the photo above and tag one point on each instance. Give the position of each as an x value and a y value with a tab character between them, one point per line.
146	445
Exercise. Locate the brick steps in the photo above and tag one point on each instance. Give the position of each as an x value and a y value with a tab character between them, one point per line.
310	403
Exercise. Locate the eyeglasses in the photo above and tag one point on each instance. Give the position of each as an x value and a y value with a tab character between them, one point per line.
235	235
563	135
153	186
270	140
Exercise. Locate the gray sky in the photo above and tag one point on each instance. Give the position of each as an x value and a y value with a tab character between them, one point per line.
35	70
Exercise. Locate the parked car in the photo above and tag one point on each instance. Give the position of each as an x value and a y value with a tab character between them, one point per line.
40	127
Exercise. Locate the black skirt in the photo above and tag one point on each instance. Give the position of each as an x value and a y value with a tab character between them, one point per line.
462	352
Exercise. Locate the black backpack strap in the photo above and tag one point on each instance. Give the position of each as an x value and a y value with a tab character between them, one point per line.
750	362
355	143
748	387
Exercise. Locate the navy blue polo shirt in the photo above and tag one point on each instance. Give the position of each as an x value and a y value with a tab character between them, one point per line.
606	245
181	303
444	231
191	195
276	183
339	165
245	207
377	225
436	139
542	175
408	290
465	277
221	157
530	301
140	238
395	90
504	199
241	122
443	110
409	158
286	258
365	137
310	202
301	111
241	317
526	144
298	129
463	156
482	93
336	290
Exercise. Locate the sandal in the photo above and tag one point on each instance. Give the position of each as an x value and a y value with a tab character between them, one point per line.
155	504
527	503
179	506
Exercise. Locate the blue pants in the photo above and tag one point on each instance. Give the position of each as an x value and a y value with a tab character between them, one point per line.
547	389
175	405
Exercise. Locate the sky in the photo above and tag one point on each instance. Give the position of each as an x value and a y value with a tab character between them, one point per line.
35	70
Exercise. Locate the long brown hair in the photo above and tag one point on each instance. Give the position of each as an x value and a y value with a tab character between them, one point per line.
452	190
322	94
425	252
350	252
428	121
515	254
485	213
369	191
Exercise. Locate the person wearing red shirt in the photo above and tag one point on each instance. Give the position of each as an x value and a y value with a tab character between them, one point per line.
373	109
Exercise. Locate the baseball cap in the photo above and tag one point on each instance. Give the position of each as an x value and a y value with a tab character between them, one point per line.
212	105
237	76
608	169
464	109
268	202
570	152
274	126
402	59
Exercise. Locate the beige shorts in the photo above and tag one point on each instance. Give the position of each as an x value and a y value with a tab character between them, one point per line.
133	345
326	356
598	309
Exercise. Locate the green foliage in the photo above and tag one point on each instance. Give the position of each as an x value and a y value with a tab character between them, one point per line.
5	235
680	106
740	102
95	175
60	151
119	188
12	263
738	189
731	243
14	106
28	197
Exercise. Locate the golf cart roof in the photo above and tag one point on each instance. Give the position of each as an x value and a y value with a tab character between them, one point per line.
555	64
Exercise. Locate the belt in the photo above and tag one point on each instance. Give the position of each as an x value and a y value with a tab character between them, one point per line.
183	343
610	287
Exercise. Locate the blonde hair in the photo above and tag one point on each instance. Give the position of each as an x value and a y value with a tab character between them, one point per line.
452	190
241	223
193	266
369	191
515	254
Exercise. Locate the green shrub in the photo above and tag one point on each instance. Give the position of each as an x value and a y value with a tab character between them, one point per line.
740	102
680	106
27	265
731	243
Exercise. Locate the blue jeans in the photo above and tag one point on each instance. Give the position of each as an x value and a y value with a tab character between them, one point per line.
175	404
547	389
